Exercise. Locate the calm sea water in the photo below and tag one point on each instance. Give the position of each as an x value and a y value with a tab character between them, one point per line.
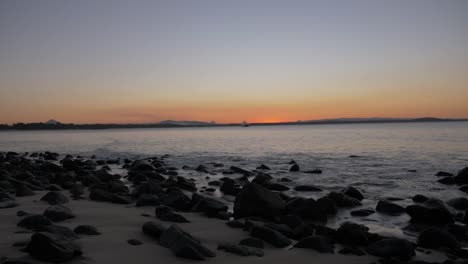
388	153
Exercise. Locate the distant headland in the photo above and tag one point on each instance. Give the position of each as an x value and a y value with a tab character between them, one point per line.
56	125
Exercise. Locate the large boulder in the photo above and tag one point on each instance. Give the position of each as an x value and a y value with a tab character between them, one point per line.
175	198
353	192
255	200
462	177
147	200
350	233
50	247
433	211
54	198
341	199
58	213
165	213
210	206
437	238
182	244
153	229
392	247
230	187
389	208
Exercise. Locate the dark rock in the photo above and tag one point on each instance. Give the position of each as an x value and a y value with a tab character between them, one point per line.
86	230
362	212
263	167
462	177
49	247
353	192
447	180
153	229
435	238
8	204
58	213
165	213
240	250
389	208
277	187
134	242
175	198
252	242
22	213
147	200
61	232
54	198
320	243
183	244
34	222
460	203
255	200
294	168
444	174
241	170
352	234
433	211
392	247
210	206
307	188
77	189
214	183
230	187
419	198
343	200
271	236
292	221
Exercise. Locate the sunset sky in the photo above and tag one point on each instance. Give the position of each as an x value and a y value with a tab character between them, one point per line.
122	61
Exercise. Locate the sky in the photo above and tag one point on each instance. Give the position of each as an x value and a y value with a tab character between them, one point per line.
145	61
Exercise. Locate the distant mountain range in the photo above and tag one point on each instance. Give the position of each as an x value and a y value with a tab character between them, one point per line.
53	124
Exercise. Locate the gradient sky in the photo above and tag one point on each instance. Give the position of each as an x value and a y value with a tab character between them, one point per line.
122	61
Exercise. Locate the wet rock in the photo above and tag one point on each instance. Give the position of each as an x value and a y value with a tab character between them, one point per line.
185	184
147	200
176	199
419	198
294	168
252	242
230	187
49	247
241	170
320	243
444	174
58	213
352	234
392	247
307	188
214	183
389	208
210	206
86	230
263	167
447	180
182	244
54	198
165	213
255	200
460	203
271	236
292	221
435	238
34	222
343	200
134	242
150	188
353	192
462	177
77	189
8	204
277	187
240	250
61	232
153	229
433	211
362	212
235	224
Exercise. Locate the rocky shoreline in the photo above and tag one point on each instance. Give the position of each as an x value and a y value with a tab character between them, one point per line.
64	206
